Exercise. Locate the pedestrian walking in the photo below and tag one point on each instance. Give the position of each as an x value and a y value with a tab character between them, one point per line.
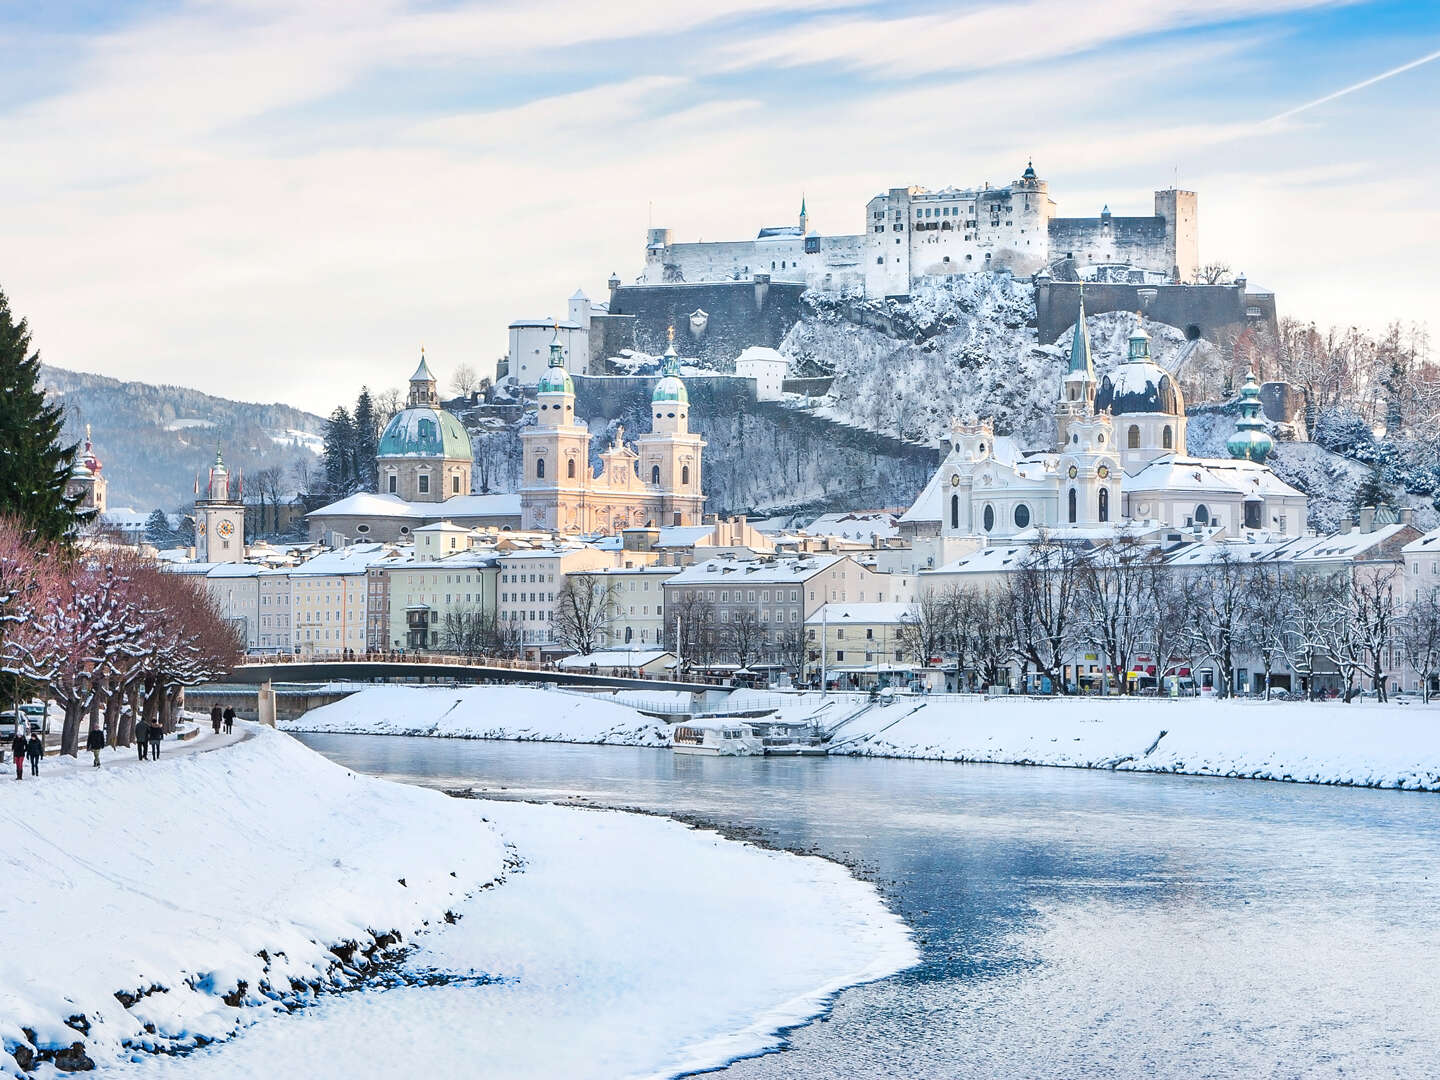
34	750
17	749
229	719
215	717
157	732
142	738
95	742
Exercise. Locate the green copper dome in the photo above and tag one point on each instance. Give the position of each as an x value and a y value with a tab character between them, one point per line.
671	387
556	379
425	431
1251	441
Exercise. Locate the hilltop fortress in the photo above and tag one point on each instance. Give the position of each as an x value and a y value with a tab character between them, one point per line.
913	233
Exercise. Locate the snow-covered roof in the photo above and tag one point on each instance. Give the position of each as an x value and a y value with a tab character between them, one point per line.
234	570
859	525
683	536
762	571
1002	558
544	324
839	614
929	505
1139	386
761	353
368	504
618	658
1352	544
1429	544
503	505
354	559
1234	476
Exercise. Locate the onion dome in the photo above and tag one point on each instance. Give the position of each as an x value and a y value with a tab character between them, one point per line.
556	379
86	463
1251	441
1139	385
671	387
1029	173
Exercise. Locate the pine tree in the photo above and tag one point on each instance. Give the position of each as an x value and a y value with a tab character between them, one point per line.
35	464
157	529
367	441
338	456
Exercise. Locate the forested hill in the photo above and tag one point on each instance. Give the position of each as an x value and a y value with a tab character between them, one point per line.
153	439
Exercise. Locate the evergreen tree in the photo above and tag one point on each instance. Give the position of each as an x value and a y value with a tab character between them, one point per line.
367	441
1372	490
157	529
35	464
338	456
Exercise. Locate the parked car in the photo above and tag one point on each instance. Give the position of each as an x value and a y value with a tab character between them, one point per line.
34	717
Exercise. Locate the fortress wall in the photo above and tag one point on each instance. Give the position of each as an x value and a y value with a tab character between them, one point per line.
738	315
1140	241
1217	313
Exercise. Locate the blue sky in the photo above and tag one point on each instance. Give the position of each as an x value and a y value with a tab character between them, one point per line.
279	201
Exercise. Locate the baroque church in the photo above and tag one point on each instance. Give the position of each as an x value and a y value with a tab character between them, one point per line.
1120	458
658	483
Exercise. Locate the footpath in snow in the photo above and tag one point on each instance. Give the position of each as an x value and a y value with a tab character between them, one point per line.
1368	745
188	904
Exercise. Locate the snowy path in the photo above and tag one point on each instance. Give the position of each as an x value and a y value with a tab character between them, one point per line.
629	946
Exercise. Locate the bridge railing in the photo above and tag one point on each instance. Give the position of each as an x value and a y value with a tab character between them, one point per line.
454	660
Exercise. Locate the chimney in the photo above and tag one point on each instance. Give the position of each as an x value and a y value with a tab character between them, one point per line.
1407	515
1345	525
1367	519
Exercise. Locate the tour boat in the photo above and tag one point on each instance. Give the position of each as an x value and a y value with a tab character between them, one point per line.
725	738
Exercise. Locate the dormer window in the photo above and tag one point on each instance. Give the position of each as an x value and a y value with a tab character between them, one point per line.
425	429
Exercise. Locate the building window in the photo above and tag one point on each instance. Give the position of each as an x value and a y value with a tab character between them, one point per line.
393	483
989	518
1202	515
1133	438
684	474
423	483
455	484
1167	440
1104	504
954	511
540	468
570	469
1072	506
1022	516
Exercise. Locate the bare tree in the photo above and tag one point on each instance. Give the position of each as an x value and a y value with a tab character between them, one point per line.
926	626
1215	616
690	616
790	651
1213	274
1313	602
1110	595
1267	616
387	404
471	632
585	608
464	380
1417	635
1372	599
743	636
1041	606
1161	614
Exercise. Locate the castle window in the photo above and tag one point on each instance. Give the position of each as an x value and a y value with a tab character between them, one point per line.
684	474
989	518
1022	516
1133	438
1072	506
1104	504
654	474
540	468
423	483
393	483
954	511
1202	515
880	261
1166	439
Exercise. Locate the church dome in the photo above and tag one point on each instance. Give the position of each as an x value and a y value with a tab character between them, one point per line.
670	388
1139	386
556	380
1251	441
425	431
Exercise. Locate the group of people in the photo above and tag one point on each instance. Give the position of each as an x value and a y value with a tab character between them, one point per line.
32	748
225	717
147	740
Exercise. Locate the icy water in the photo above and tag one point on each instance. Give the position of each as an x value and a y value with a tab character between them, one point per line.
1073	923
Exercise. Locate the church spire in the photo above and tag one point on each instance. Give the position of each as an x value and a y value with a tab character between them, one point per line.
1251	441
1081	360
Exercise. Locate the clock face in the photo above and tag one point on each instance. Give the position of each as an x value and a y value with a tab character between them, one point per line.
1103	471
955	480
1074	472
226	528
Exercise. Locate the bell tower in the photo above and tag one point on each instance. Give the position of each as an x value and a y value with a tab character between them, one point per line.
219	518
554	487
670	455
1077	388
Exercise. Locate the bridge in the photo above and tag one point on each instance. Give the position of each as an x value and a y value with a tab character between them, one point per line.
429	667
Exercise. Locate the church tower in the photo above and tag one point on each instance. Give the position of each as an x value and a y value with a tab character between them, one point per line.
220	519
670	454
86	479
1077	389
804	218
556	466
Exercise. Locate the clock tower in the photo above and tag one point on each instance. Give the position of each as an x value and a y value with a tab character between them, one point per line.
219	519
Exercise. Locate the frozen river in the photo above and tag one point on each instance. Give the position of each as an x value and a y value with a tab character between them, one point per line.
1072	923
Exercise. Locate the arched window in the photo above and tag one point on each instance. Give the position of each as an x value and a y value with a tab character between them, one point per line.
455	484
989	518
1133	438
540	468
1202	515
1022	516
1072	506
954	511
655	474
570	468
1167	440
1104	504
684	474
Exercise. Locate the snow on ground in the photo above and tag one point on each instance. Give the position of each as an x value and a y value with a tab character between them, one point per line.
486	712
628	946
1367	745
173	875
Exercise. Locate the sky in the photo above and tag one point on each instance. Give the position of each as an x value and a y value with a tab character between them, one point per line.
275	201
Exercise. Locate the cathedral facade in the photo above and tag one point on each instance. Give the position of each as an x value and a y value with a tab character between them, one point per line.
1119	458
657	483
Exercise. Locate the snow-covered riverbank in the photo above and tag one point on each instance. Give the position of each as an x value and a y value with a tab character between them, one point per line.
1368	745
171	904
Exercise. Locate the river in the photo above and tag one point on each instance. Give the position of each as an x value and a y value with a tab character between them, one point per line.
1072	922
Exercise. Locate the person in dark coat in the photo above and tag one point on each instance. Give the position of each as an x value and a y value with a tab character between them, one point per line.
157	732
17	748
142	738
216	716
34	750
229	720
95	742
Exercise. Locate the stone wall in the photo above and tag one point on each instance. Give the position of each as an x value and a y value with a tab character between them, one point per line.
736	316
1217	313
1139	241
